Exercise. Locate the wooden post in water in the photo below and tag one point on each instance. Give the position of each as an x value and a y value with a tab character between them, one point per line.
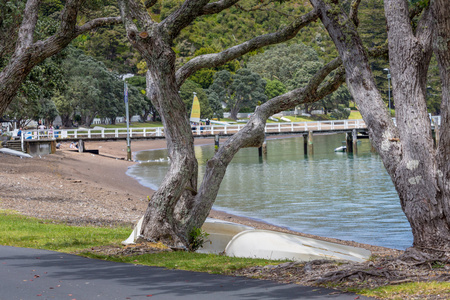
305	144
310	143
355	141
349	142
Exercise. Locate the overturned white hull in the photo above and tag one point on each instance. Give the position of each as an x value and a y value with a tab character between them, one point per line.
243	241
275	245
14	152
220	234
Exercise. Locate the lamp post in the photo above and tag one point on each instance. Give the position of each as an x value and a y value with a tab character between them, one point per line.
389	88
125	91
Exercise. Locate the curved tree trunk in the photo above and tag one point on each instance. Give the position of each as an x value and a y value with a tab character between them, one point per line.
168	206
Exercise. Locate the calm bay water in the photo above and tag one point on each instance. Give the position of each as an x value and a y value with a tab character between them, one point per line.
337	195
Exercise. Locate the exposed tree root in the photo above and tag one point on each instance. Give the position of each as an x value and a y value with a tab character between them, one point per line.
381	272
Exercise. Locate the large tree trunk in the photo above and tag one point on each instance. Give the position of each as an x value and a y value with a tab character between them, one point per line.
406	150
169	205
441	47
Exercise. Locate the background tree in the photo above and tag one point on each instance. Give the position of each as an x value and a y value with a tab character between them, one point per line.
216	105
108	44
274	88
144	107
293	65
241	90
29	50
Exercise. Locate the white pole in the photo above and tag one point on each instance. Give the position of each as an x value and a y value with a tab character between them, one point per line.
128	122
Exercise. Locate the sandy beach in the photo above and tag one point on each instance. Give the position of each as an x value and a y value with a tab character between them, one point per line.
84	188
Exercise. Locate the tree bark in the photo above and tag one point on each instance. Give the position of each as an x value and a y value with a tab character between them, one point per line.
441	47
406	150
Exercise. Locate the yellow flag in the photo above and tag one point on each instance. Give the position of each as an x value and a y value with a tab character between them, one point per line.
195	112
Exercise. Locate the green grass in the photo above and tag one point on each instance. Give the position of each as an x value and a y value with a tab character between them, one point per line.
301	119
355	115
133	124
21	231
408	290
190	261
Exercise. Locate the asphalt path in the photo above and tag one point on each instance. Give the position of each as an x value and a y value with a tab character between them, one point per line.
40	274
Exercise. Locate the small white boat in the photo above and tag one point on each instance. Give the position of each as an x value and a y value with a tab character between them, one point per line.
341	149
238	240
14	152
267	244
220	234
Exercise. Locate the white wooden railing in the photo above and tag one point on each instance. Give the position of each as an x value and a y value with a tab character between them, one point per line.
104	133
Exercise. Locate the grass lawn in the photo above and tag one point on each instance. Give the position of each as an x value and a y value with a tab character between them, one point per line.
21	231
355	115
132	124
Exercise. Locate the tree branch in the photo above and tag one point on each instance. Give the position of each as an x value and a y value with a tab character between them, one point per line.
252	134
262	7
26	30
69	17
216	7
354	12
217	59
98	23
182	17
309	94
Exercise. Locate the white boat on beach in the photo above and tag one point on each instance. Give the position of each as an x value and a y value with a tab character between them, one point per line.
220	234
14	152
279	246
243	241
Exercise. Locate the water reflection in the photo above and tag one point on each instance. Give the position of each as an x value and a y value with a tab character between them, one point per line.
331	194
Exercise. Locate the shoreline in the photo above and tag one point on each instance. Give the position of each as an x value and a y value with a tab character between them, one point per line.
82	188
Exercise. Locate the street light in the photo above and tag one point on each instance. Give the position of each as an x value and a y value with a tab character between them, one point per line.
389	88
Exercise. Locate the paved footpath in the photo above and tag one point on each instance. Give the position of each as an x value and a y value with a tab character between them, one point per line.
40	274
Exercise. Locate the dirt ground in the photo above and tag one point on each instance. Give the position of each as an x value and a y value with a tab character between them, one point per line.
84	188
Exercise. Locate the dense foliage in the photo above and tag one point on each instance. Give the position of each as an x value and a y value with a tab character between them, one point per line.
244	89
284	67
